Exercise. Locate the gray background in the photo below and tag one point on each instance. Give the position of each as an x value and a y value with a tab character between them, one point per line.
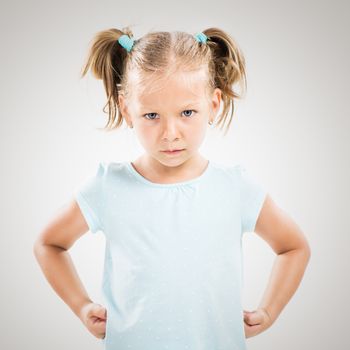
290	132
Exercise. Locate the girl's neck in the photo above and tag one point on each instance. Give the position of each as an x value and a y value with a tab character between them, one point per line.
154	171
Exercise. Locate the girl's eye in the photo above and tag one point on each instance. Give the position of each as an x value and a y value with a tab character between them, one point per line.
187	110
145	115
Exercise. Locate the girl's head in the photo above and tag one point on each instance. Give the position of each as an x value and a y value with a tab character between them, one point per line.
169	86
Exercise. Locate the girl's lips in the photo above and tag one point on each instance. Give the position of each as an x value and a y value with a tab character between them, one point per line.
173	152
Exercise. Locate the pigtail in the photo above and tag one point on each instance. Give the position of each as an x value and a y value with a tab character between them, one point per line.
106	60
160	52
228	68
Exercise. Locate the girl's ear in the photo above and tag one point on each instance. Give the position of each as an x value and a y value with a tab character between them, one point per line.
216	100
124	109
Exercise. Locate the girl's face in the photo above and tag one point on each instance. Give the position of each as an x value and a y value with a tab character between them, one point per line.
172	115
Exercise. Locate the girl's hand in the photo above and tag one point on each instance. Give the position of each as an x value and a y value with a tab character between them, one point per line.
256	322
94	317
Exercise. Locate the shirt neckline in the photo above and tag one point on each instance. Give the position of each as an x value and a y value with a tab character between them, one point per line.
174	184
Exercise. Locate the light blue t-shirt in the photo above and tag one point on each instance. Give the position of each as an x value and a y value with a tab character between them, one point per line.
172	275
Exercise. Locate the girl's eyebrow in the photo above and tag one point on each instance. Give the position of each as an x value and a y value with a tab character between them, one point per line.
192	104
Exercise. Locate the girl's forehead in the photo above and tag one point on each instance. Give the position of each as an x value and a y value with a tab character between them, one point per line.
189	86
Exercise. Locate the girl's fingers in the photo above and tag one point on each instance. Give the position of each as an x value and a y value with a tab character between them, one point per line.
254	318
100	312
254	322
254	329
251	331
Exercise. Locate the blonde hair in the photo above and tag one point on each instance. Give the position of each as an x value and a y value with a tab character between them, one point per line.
164	52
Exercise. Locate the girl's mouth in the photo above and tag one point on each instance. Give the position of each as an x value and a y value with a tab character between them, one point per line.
173	152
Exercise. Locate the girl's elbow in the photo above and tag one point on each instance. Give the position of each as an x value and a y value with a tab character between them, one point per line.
305	250
304	246
37	248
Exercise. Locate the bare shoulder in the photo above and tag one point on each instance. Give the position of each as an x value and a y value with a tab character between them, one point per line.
64	227
278	229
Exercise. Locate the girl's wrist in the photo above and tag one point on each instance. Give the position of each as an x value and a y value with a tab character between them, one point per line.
268	314
79	307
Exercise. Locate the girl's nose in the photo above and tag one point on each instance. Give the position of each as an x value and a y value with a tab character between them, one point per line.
170	130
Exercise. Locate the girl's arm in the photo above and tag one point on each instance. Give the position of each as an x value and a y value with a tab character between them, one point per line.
51	252
293	254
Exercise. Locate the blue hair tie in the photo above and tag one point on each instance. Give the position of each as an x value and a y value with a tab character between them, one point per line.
126	42
201	37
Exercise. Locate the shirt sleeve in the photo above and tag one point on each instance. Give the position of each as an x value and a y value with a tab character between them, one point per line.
90	197
252	196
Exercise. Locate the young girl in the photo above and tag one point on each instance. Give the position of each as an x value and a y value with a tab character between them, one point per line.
173	220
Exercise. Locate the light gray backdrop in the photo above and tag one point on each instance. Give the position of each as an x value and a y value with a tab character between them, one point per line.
290	131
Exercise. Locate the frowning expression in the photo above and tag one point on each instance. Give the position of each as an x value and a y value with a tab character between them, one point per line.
173	115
